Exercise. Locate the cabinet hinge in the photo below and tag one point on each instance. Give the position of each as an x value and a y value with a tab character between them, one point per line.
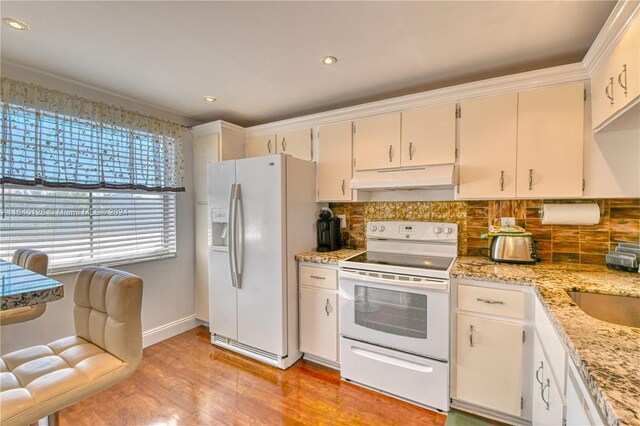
564	421
585	95
354	161
458	112
456	154
584	184
522	402
354	129
524	336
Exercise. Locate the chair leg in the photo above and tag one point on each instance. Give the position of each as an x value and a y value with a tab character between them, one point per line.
54	419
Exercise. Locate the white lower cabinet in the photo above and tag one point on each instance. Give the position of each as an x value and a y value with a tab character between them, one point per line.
489	363
319	312
548	402
319	323
581	410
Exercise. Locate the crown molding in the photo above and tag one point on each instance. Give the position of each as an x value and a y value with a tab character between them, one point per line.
619	20
494	86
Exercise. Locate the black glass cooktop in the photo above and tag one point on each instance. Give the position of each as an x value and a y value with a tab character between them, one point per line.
407	260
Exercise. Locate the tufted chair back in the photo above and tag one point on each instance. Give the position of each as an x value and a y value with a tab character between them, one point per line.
107	312
33	260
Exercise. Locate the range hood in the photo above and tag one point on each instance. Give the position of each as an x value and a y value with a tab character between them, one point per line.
424	177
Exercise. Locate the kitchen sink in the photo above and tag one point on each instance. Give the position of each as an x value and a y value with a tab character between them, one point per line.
621	310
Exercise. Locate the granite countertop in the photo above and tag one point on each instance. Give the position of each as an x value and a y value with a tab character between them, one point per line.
21	287
329	257
607	355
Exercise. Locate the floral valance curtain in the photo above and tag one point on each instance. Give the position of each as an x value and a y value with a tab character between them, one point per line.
54	139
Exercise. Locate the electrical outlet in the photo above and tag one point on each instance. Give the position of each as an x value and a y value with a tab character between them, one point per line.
507	221
343	220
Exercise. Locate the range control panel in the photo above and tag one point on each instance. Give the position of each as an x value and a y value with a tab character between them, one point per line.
418	231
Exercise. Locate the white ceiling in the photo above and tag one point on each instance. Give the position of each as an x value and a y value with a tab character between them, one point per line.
263	59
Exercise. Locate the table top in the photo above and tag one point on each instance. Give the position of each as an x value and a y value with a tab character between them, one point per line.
22	287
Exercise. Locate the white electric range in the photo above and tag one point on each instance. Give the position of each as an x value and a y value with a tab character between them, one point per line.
394	311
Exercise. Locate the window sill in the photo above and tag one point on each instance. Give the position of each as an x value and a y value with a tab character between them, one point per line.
73	269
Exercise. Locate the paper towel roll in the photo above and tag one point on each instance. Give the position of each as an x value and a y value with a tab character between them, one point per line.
570	214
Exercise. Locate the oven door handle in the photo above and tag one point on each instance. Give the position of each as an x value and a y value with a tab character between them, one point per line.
434	284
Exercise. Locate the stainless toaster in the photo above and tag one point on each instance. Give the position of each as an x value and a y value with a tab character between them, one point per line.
513	249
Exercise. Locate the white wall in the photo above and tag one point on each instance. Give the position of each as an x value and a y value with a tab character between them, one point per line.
168	305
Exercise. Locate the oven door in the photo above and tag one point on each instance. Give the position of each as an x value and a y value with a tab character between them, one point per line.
396	314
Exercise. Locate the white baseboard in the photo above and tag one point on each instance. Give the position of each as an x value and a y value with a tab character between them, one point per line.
158	334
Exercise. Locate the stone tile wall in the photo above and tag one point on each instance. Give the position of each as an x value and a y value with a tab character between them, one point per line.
620	222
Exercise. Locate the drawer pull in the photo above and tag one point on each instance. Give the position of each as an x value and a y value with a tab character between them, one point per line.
546	386
317	277
269	146
471	336
502	180
327	307
606	90
624	86
489	301
538	372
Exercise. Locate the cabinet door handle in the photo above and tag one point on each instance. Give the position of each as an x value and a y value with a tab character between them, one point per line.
342	186
541	368
530	179
284	145
606	90
542	389
489	301
269	146
501	180
624	71
410	150
327	307
390	146
470	336
317	277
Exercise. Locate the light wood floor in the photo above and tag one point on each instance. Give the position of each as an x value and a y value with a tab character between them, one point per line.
186	380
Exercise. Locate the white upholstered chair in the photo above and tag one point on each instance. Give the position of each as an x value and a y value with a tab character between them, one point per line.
36	261
39	381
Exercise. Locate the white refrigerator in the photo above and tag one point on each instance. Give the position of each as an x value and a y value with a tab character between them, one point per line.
262	211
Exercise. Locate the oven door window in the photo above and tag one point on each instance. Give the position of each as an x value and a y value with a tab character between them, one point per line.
394	312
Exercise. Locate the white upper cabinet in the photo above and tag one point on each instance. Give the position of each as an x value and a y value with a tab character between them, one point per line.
261	145
616	80
488	132
523	145
428	136
296	144
550	142
376	142
334	162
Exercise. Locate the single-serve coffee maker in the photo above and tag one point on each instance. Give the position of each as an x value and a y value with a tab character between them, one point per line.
329	236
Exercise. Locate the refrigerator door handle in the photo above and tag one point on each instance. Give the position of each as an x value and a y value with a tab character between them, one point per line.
236	203
232	234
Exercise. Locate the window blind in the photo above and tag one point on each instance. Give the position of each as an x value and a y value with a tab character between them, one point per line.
78	228
53	139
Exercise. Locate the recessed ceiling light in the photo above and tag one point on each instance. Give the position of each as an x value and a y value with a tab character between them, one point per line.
210	98
16	24
329	60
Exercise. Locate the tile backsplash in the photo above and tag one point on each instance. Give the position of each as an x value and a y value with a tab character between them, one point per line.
620	222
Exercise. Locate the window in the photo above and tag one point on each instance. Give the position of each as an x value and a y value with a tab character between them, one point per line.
86	182
79	228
